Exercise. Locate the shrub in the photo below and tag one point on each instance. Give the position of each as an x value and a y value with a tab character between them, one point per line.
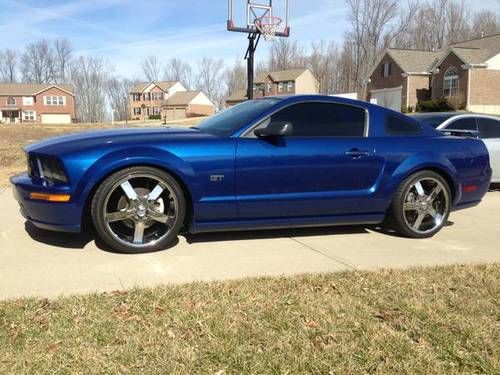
154	117
440	105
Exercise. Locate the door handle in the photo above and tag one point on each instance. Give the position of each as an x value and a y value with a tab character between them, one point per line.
357	153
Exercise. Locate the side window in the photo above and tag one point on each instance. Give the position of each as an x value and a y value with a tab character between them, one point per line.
463	124
395	125
489	128
323	120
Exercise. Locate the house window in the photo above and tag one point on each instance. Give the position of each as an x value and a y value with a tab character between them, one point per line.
280	87
450	83
11	100
156	110
137	110
136	97
157	96
289	86
54	100
29	115
386	69
147	96
269	87
28	100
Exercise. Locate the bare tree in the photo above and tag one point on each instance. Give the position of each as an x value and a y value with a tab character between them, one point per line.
89	78
323	62
151	68
485	22
235	78
210	80
178	70
457	27
118	90
37	62
62	56
286	54
8	65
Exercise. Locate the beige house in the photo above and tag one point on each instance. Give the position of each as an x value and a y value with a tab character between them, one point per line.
184	104
284	82
466	74
168	99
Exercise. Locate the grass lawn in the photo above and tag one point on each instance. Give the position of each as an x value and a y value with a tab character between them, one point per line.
438	320
14	136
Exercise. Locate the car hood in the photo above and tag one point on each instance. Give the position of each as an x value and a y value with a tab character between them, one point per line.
72	142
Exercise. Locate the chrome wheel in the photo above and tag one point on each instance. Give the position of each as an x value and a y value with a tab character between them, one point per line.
140	210
426	204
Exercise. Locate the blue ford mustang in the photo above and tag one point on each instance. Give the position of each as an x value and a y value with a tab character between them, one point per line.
267	163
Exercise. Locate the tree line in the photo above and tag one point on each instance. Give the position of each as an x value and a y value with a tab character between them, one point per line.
373	26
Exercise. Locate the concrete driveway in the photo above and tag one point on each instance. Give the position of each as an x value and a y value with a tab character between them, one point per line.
39	263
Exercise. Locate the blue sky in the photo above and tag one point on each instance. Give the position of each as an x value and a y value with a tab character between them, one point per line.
126	31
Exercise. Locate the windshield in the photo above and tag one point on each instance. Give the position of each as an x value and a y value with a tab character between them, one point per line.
229	120
432	120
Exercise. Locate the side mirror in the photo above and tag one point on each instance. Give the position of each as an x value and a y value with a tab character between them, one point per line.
275	129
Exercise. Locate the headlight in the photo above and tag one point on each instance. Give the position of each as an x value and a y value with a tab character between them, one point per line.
47	168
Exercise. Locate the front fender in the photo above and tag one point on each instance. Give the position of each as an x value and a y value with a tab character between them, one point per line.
119	159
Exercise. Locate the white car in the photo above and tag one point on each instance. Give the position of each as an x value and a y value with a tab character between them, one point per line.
484	127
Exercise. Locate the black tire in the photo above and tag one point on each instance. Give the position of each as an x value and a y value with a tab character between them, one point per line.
123	239
399	218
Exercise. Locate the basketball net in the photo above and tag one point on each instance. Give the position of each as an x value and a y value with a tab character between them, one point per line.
267	26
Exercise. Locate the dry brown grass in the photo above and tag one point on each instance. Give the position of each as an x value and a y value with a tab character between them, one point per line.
14	137
438	320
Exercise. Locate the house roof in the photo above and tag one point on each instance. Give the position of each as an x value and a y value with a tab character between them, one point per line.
182	98
164	85
414	61
281	75
237	96
479	50
29	89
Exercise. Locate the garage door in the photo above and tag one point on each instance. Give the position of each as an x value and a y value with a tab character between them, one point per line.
389	98
56	118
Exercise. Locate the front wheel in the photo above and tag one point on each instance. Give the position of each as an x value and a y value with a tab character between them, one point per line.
421	205
138	210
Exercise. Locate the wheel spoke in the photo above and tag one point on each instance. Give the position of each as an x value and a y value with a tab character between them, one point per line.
418	221
410	206
155	193
139	232
435	192
117	216
129	191
420	189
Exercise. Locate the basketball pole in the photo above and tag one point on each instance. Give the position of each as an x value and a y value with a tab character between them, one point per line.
253	41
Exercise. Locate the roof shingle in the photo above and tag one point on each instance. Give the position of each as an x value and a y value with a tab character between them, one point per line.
29	89
181	98
164	85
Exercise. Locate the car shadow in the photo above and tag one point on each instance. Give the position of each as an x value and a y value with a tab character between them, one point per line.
73	240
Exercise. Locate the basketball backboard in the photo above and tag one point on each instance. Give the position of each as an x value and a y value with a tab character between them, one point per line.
243	15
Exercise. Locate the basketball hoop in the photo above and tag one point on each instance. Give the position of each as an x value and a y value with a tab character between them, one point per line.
267	25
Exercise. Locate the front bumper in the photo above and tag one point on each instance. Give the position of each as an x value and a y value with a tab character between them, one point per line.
56	216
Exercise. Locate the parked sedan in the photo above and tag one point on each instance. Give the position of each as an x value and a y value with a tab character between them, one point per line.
484	127
267	163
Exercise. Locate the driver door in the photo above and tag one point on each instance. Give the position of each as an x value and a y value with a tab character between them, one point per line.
322	169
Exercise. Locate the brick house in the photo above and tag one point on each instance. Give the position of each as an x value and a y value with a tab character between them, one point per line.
167	98
466	74
36	103
284	82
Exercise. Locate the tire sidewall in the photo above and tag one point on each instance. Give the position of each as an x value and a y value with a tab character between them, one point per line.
98	201
399	200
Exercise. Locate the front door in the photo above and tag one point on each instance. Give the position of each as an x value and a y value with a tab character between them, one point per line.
323	169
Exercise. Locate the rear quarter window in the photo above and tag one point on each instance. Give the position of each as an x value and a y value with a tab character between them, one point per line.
489	128
398	126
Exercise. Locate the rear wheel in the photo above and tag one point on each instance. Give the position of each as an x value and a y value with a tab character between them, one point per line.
421	205
138	210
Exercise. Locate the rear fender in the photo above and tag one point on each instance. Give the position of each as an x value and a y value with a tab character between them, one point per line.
423	161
